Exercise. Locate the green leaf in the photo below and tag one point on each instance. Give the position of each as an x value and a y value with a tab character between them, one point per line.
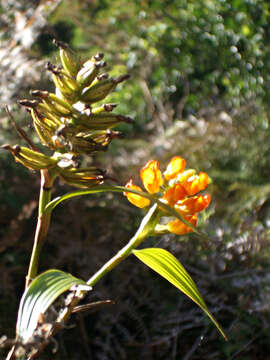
37	298
111	188
166	265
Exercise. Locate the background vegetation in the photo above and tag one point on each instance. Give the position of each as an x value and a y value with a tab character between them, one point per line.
200	89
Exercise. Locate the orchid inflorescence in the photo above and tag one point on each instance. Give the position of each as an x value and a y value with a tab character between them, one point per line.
177	187
68	122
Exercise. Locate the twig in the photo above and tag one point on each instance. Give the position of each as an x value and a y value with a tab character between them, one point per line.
84	335
183	101
195	345
20	131
245	346
92	306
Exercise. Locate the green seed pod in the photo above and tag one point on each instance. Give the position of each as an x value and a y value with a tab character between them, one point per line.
44	128
101	89
69	81
46	117
82	178
69	59
81	145
88	72
67	86
31	159
57	100
101	137
64	83
98	91
102	121
54	104
91	141
65	91
50	111
44	135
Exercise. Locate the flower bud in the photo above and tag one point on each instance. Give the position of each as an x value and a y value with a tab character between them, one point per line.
175	166
135	199
151	177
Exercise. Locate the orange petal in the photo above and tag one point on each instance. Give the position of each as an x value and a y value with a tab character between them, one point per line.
179	228
151	177
193	204
136	200
196	183
174	194
175	166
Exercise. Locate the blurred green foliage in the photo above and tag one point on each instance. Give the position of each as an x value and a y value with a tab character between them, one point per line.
218	49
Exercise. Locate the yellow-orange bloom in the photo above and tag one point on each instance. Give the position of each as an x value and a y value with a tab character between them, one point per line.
136	200
193	205
181	192
174	194
175	166
179	228
151	177
196	183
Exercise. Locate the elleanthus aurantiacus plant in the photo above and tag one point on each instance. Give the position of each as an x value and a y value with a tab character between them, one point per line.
68	123
177	187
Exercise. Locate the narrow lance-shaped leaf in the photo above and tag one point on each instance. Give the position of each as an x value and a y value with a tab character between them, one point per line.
166	265
38	297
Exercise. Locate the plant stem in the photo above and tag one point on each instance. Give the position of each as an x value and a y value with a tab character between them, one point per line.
146	228
43	223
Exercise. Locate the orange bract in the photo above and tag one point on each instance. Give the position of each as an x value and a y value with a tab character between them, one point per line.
174	194
179	228
182	192
193	204
196	183
175	166
135	199
151	177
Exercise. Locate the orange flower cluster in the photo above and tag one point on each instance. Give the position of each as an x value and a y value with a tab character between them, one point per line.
176	187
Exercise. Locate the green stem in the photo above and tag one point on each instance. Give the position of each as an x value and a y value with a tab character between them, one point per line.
146	228
43	223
